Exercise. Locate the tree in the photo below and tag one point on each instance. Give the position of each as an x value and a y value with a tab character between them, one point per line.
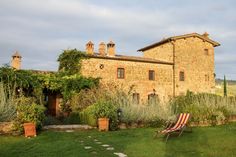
69	61
225	87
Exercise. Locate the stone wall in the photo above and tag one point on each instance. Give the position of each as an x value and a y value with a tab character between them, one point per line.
191	58
6	127
136	75
196	64
163	52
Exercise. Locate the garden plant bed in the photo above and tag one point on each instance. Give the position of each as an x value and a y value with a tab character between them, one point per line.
203	141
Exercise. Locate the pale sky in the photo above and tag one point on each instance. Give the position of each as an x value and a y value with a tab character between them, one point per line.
41	29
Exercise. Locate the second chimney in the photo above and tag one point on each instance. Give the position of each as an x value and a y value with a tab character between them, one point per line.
102	49
90	48
111	49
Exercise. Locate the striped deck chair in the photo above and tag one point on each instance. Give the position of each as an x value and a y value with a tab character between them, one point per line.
178	127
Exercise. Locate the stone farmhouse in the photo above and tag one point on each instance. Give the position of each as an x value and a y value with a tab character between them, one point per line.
167	68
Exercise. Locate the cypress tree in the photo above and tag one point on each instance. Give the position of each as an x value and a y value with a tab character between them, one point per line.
225	86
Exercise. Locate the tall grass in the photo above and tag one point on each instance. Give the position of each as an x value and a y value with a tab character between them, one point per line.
131	112
7	103
202	107
205	107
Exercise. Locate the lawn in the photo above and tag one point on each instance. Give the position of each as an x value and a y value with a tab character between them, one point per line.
205	142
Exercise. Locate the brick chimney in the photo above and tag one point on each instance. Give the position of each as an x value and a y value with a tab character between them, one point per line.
90	48
102	49
206	35
111	49
16	60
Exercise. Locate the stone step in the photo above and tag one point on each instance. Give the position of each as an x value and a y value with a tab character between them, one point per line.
68	127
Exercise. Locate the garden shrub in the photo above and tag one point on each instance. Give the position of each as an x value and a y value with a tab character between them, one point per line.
86	116
50	120
28	111
73	118
7	103
155	123
154	114
104	108
205	107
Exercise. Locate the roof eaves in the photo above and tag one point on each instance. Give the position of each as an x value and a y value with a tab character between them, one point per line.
125	58
155	44
214	43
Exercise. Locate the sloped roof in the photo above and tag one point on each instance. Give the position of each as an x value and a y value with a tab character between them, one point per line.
130	58
203	37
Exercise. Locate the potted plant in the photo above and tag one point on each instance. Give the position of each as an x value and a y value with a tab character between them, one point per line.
30	129
104	111
29	116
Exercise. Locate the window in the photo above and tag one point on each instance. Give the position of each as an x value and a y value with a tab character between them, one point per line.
206	52
151	75
136	98
152	98
120	73
181	76
206	77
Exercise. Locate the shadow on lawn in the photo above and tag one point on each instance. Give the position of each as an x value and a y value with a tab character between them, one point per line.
187	145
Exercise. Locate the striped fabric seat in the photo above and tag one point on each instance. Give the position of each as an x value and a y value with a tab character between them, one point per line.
178	127
181	122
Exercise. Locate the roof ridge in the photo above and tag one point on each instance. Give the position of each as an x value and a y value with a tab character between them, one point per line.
214	43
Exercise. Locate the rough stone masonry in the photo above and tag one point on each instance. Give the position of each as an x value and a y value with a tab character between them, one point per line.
168	68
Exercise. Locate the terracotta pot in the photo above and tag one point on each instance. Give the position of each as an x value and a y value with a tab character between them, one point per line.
103	124
30	129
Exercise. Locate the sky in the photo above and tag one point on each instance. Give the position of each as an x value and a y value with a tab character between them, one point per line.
41	29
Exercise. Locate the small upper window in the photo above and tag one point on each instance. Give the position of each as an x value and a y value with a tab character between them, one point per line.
181	76
206	52
207	78
120	73
151	75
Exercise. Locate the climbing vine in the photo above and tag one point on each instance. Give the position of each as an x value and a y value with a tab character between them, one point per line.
66	81
70	61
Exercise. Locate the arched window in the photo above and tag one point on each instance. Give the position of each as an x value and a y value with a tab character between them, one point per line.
136	98
153	98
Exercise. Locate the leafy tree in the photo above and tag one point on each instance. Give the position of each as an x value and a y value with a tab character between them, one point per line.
69	61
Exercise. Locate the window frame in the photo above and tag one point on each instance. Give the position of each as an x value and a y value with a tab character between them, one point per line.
153	98
206	52
151	73
182	76
136	98
118	71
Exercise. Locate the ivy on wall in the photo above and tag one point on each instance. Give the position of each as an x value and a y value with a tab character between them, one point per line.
66	81
70	61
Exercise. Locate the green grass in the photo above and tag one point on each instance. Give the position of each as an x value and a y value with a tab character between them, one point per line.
219	141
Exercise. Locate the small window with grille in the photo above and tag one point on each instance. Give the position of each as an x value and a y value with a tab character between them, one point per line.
151	75
120	73
181	76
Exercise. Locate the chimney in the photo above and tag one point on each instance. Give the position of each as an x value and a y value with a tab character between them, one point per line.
16	60
206	35
102	49
111	49
90	48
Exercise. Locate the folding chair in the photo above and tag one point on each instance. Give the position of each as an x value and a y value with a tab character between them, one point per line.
177	127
